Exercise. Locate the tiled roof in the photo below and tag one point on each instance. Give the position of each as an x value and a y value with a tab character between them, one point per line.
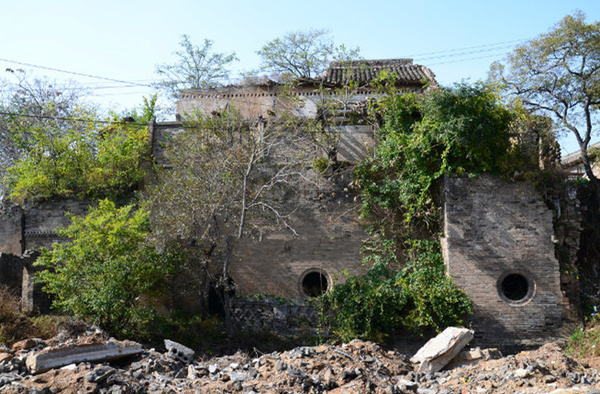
575	157
364	71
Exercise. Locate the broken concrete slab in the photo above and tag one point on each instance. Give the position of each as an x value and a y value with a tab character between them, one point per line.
54	358
179	352
439	351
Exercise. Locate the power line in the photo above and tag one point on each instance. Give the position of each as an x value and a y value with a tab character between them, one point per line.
503	44
447	54
461	60
69	119
73	72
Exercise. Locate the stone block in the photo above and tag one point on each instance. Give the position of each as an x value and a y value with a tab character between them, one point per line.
58	357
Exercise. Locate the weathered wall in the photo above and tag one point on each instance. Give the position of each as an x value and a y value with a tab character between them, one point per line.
328	242
251	101
345	114
43	218
26	229
34	225
494	229
11	229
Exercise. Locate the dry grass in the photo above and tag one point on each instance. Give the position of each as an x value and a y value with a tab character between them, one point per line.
15	325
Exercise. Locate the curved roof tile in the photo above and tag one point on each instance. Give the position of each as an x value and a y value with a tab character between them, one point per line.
365	71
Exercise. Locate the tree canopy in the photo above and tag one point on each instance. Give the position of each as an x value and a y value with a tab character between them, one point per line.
28	103
194	67
558	74
303	53
86	158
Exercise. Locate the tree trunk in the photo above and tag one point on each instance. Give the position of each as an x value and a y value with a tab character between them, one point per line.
587	166
229	323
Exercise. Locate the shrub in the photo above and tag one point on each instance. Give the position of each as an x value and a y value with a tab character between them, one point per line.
106	273
418	298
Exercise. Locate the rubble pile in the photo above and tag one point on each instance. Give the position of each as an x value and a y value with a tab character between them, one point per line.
357	367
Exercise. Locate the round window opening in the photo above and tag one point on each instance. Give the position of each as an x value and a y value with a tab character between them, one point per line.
516	287
314	284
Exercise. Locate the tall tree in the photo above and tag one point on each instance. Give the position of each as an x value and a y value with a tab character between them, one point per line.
28	104
558	73
52	144
194	67
303	53
231	178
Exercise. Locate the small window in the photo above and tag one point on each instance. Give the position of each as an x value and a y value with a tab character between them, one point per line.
314	283
515	288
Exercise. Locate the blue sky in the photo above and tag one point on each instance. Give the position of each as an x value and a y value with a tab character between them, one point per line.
125	39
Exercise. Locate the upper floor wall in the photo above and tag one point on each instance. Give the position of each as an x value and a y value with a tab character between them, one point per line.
345	83
339	98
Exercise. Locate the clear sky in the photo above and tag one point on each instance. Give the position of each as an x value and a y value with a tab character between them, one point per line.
125	39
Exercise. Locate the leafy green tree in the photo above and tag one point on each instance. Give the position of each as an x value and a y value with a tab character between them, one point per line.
459	130
144	114
83	160
30	105
419	298
195	67
118	161
105	273
303	53
558	74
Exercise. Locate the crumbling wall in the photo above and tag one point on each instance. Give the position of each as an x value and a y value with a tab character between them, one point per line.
267	314
43	218
24	230
11	229
498	247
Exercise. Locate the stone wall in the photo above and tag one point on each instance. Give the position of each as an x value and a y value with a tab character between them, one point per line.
267	314
498	248
279	262
43	218
328	240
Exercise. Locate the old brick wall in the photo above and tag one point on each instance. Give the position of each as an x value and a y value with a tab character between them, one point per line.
26	229
498	248
11	229
328	242
43	218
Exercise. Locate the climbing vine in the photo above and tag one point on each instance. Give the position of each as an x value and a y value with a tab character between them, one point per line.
464	131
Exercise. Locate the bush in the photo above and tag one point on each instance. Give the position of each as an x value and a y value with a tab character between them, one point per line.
106	273
418	298
79	161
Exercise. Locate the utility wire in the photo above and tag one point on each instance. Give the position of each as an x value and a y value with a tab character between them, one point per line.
73	72
70	119
502	44
421	56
